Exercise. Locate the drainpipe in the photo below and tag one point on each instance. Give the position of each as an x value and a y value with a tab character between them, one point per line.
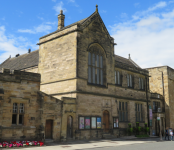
147	103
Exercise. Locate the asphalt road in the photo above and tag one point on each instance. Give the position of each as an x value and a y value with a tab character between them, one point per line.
165	145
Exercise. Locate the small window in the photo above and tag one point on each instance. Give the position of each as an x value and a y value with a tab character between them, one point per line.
129	80
18	114
115	121
20	119
15	108
141	83
21	110
117	78
14	118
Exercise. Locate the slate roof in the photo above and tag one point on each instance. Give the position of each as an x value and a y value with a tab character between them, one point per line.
125	61
21	62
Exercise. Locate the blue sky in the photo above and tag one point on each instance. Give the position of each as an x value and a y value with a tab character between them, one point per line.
145	28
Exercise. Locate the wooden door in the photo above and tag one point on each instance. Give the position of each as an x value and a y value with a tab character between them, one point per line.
48	129
106	121
69	127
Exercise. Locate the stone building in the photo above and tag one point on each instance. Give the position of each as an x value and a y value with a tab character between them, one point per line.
24	110
100	92
162	82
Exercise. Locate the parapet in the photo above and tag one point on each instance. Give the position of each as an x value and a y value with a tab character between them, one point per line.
17	75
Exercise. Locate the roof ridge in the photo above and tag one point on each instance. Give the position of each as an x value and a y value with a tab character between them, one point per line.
5	61
121	56
26	53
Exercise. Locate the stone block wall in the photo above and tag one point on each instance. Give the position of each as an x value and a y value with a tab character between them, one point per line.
18	87
23	87
162	79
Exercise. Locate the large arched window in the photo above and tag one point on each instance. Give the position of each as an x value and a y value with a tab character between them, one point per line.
95	68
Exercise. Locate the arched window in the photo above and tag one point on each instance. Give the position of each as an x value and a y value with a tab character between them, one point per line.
95	68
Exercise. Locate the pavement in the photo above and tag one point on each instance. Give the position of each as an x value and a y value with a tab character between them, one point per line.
94	144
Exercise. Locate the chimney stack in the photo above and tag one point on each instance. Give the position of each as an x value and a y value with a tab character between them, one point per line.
61	18
29	50
17	55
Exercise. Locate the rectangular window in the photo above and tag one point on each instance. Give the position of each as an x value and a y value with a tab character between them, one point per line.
123	111
115	77
101	62
101	73
97	61
139	112
93	75
14	118
89	58
93	122
18	113
115	121
141	83
93	59
128	82
89	74
81	123
21	109
118	77
15	107
98	76
20	119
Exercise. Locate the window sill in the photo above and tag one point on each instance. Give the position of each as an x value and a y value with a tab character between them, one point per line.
98	85
130	87
118	84
124	121
17	125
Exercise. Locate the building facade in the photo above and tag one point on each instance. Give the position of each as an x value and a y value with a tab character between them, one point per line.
98	93
162	82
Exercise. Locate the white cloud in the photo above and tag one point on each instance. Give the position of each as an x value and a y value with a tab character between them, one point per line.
58	7
45	28
54	0
147	12
11	45
149	39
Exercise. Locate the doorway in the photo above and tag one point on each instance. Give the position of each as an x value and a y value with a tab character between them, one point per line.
106	121
69	127
48	129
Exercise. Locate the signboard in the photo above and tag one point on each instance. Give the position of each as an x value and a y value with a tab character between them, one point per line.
87	122
158	118
150	116
98	122
93	122
81	123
